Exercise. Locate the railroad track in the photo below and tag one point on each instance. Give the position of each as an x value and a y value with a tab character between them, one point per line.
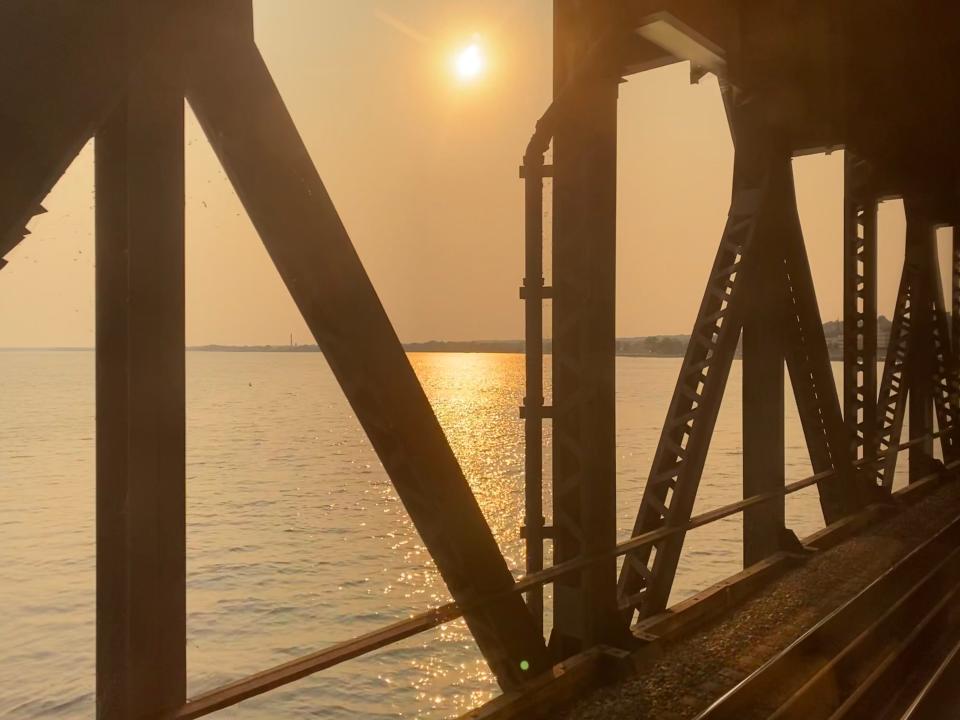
892	652
941	692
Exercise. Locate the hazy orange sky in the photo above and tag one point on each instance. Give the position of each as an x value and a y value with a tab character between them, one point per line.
424	173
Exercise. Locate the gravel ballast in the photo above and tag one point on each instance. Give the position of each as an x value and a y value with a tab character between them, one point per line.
695	671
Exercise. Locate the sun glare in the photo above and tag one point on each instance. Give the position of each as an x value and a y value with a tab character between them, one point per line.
470	63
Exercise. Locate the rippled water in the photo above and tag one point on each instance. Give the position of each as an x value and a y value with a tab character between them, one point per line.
296	539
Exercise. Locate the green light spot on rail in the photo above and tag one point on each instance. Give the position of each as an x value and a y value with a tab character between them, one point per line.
524	665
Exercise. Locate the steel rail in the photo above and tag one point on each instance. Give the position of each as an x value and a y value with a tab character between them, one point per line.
871	697
939	692
273	678
810	671
894	626
825	657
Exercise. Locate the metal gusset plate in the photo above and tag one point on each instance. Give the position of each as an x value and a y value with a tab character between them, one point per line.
955	290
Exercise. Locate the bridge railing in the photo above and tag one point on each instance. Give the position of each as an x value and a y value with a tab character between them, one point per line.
267	680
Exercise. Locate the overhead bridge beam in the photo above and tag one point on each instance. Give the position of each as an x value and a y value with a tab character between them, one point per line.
64	70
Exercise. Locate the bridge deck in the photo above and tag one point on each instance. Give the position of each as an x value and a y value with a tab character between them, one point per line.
695	671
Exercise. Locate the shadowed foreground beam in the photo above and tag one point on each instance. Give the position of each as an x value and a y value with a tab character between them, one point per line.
584	334
64	69
141	534
921	258
243	115
860	309
763	387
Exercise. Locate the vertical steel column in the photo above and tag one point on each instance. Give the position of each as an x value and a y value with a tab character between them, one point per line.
892	401
763	390
814	387
860	310
955	292
141	566
921	251
945	387
584	344
533	294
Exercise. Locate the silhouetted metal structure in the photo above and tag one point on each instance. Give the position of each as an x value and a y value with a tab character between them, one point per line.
797	77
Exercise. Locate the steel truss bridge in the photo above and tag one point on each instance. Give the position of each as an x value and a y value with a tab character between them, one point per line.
872	77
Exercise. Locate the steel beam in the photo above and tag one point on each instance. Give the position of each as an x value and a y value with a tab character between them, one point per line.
763	391
584	342
804	347
814	386
945	389
533	293
945	383
955	291
920	363
920	253
860	309
764	206
648	572
243	115
892	402
141	554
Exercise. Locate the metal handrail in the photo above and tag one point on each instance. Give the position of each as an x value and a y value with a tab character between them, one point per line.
336	654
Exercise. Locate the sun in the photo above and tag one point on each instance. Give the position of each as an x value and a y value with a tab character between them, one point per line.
470	63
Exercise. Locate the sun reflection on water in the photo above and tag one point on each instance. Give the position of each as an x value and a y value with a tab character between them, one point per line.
476	397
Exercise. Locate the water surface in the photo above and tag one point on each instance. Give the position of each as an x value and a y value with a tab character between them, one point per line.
296	538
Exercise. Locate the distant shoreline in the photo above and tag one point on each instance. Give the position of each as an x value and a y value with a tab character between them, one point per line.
496	347
662	346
